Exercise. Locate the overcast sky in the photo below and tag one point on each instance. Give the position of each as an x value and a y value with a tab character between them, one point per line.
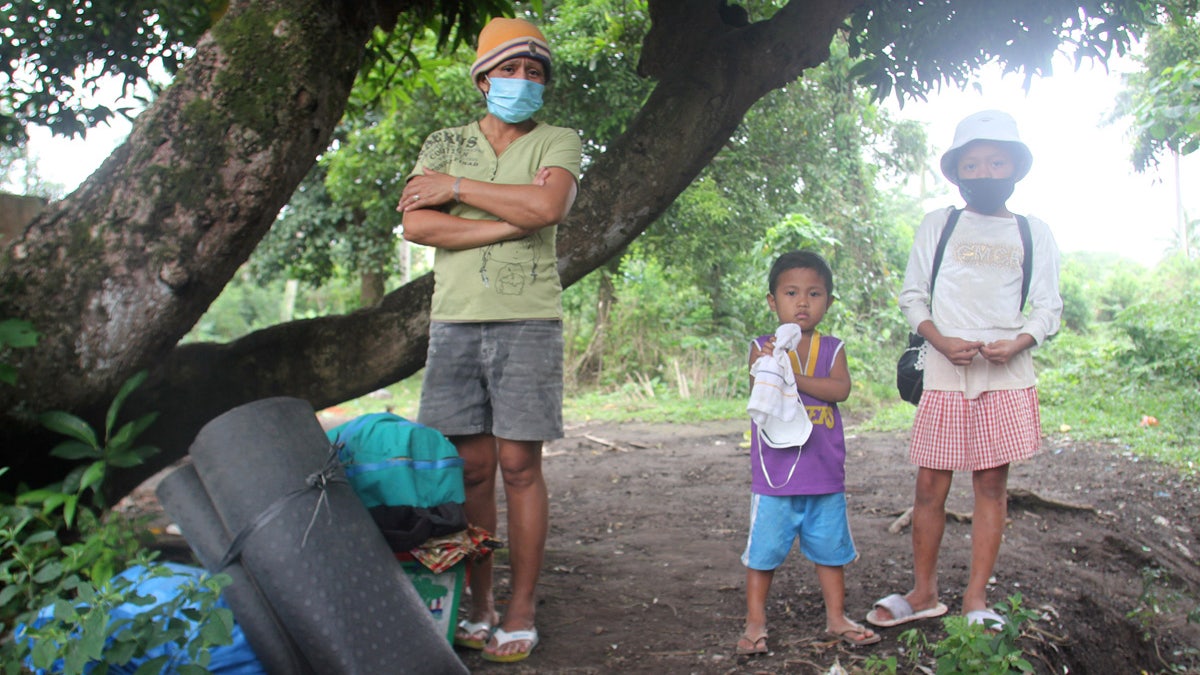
1082	182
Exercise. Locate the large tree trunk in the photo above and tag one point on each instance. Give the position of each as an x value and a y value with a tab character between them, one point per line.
115	274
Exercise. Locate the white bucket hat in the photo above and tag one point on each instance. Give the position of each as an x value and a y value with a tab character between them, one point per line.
987	125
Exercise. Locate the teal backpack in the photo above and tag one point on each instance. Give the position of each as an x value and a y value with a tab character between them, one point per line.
409	476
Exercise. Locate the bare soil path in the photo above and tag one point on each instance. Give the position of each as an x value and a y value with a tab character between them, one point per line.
648	521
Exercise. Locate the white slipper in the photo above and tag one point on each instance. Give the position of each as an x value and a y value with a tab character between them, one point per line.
901	611
504	637
986	618
470	628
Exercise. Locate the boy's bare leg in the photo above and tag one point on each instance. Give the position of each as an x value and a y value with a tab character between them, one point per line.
833	590
987	531
758	585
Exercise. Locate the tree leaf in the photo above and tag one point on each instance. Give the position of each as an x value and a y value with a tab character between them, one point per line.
49	572
75	450
17	333
69	425
94	634
118	401
92	476
70	504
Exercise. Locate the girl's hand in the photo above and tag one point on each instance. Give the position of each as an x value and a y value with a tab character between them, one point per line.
960	352
1000	351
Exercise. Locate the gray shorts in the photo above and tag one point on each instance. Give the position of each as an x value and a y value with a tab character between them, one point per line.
503	378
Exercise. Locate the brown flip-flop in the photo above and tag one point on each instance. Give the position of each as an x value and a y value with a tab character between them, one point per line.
748	645
847	636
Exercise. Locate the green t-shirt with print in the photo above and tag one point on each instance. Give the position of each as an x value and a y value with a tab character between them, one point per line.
510	280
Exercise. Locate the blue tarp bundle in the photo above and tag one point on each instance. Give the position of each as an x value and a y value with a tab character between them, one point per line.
236	658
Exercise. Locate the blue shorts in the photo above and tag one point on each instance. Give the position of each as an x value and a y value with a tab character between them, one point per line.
819	520
503	378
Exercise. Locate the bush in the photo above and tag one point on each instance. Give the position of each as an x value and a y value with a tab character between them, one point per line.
1166	334
59	558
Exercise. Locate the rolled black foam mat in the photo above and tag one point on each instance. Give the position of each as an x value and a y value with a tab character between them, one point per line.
183	497
310	546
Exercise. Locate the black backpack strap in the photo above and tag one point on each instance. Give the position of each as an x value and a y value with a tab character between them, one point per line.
1027	259
947	230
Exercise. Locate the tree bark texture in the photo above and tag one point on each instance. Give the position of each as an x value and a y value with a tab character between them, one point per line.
114	275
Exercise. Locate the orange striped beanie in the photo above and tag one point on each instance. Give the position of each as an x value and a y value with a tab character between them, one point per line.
503	39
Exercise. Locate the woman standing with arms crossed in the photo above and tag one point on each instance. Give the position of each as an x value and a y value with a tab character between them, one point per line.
489	197
979	411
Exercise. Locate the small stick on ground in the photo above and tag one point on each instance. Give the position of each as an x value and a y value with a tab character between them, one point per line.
903	521
1027	499
606	443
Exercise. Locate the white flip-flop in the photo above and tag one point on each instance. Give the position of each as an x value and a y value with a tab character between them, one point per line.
504	637
986	618
901	612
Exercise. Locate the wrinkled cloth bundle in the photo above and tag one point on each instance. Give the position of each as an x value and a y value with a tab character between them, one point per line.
775	405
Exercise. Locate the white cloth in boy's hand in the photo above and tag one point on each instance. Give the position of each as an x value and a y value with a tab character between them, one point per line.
774	392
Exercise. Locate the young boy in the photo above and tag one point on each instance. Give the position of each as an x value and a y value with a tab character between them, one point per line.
800	491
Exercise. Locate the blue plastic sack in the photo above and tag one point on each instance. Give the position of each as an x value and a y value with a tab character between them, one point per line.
234	659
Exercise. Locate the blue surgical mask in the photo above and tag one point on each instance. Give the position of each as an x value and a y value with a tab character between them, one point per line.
513	99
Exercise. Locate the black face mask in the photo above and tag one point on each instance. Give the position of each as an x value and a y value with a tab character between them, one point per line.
986	195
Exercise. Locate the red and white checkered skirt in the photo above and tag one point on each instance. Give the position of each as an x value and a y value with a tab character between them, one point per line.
953	433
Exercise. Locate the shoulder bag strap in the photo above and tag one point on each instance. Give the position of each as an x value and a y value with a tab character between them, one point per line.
947	230
1027	260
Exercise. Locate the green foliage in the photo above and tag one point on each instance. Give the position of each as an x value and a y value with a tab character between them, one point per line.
306	243
65	555
596	86
393	66
53	54
42	560
1160	598
799	172
116	449
246	305
648	402
695	357
1166	335
1072	286
1095	388
1163	98
342	221
14	334
906	47
81	634
966	648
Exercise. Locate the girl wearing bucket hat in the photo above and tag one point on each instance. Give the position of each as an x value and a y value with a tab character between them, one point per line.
979	409
489	197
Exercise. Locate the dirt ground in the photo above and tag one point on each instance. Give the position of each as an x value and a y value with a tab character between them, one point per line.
642	571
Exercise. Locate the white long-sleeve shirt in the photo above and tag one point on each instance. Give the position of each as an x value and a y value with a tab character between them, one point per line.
977	296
